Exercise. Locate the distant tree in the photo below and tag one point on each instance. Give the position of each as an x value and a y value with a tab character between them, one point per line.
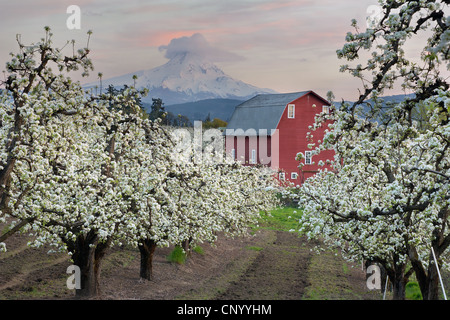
157	109
216	123
100	77
169	119
183	121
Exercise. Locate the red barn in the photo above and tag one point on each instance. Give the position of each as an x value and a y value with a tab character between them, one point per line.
271	129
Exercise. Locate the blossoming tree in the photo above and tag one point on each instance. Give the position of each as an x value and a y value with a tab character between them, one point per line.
33	105
64	154
84	171
186	202
387	197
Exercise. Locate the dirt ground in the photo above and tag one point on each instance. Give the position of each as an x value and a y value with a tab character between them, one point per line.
270	265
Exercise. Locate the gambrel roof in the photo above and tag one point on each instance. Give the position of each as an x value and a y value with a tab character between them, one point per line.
263	111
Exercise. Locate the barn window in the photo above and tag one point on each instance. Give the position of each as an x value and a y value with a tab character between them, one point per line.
294	175
326	109
253	158
308	157
282	176
291	111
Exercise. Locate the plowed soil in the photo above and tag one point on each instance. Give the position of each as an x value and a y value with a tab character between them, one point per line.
272	265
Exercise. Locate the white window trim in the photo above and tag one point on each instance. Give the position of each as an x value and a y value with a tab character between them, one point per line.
294	175
326	109
282	176
293	111
310	157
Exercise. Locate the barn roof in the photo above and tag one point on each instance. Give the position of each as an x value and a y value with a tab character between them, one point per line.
263	111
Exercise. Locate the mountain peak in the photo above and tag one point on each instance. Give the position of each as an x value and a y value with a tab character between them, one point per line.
189	57
187	65
187	77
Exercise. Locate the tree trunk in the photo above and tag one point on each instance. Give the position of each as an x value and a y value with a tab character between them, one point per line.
428	279
186	246
397	276
88	256
398	289
431	288
429	284
398	280
5	182
147	247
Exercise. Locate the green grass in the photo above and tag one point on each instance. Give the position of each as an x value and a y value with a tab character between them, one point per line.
255	248
345	268
177	255
199	250
412	291
284	219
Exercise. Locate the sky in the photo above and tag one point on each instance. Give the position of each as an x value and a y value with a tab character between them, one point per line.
284	45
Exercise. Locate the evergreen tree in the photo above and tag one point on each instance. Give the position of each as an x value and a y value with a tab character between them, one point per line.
157	109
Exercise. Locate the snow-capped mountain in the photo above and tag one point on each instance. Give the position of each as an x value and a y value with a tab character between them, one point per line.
186	77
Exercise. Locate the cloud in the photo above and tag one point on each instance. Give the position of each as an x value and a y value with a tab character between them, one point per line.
198	45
